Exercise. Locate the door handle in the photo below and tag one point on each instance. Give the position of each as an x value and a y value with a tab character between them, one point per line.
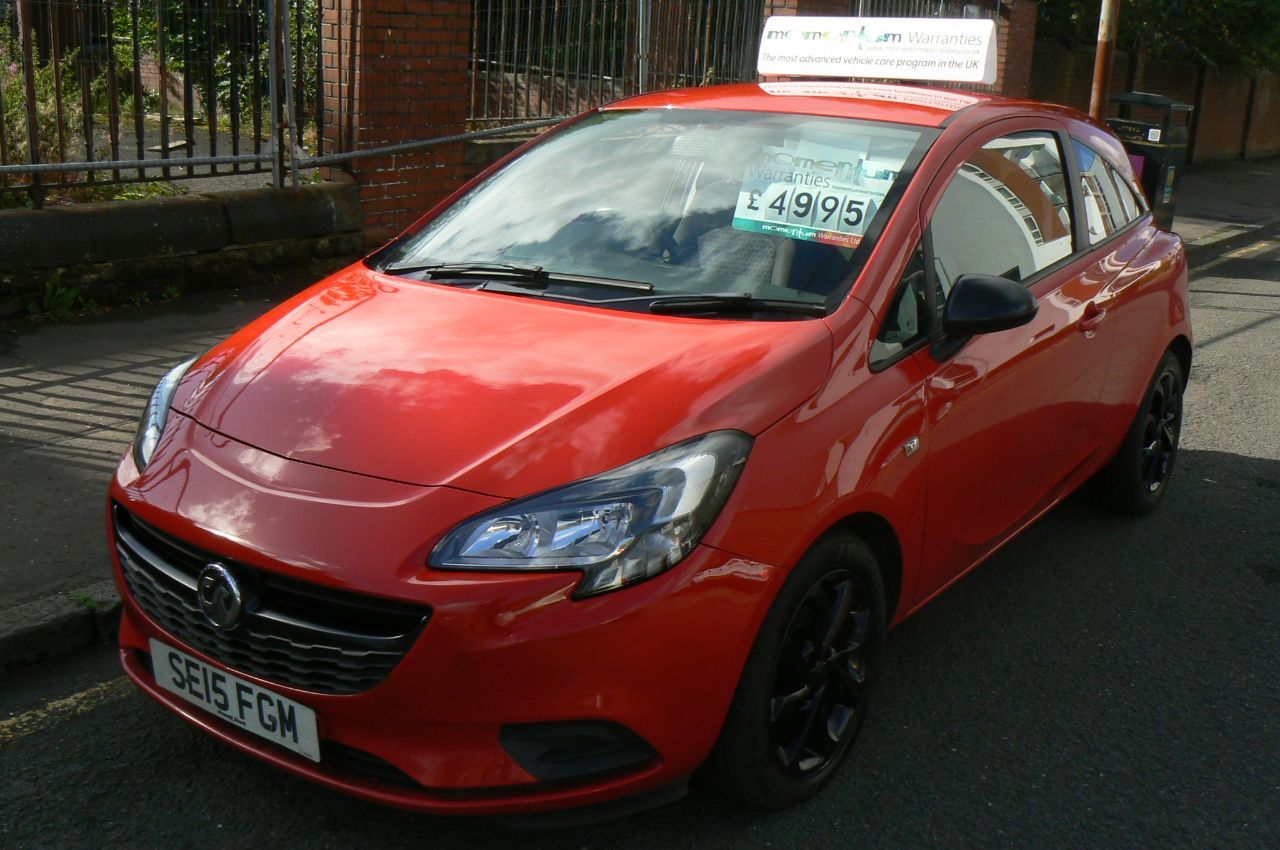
954	378
1093	316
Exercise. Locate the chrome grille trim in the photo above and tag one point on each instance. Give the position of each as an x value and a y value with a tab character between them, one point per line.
293	633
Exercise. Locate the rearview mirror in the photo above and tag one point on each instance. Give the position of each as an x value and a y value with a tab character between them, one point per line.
983	304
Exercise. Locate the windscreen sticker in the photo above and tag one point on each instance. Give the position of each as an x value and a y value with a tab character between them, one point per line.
813	192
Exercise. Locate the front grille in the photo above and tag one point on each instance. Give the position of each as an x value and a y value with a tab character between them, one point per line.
292	632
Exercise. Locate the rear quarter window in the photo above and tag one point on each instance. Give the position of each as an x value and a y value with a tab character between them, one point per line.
1109	202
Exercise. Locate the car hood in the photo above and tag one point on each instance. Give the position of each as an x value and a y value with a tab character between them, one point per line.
498	394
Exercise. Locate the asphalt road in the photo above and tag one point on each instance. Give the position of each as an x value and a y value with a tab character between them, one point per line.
1100	682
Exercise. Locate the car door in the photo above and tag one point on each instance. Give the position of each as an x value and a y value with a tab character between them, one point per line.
1011	415
1120	236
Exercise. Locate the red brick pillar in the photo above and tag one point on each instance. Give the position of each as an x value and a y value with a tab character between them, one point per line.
397	71
812	8
824	8
1016	41
780	7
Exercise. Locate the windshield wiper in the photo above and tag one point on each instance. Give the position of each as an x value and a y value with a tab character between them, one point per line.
532	276
464	268
733	302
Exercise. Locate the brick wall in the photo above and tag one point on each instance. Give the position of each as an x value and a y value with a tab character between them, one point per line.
149	72
409	80
1016	34
1223	105
1059	75
1226	98
1264	128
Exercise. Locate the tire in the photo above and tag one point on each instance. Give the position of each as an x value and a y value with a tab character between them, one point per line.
1137	477
804	692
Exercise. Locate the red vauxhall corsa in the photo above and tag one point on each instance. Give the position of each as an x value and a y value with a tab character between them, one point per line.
621	461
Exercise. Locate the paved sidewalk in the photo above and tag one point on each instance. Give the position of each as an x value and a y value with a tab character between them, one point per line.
1221	201
70	396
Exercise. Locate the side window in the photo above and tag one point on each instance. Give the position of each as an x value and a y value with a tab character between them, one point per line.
1109	202
1128	201
1006	213
906	322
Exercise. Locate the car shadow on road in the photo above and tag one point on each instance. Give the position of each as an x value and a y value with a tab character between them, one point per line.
1101	681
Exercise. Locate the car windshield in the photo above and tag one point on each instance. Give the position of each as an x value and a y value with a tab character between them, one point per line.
692	202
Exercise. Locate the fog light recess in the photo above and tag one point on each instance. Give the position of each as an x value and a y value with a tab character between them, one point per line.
566	751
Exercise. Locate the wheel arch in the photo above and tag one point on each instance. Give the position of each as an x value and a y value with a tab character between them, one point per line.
879	534
1181	348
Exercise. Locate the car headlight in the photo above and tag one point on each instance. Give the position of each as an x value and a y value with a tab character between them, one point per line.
618	528
156	414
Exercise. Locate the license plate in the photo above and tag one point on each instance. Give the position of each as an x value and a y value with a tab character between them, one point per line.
251	707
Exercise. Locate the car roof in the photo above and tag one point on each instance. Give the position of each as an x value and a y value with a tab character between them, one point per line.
918	105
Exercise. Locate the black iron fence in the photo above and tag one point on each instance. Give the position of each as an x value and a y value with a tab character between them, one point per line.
98	93
119	91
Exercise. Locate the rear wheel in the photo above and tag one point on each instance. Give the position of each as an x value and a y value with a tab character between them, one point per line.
804	692
1135	480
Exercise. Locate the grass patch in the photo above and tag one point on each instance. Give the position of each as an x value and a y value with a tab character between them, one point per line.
84	600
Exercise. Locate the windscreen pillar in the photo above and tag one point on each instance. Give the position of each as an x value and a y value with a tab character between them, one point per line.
396	71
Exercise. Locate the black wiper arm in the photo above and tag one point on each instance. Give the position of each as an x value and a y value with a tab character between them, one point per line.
602	282
733	302
464	269
524	275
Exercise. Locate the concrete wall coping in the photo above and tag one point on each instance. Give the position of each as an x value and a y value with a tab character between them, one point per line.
156	227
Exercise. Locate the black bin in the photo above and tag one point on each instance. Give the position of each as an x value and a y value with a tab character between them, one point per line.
1157	148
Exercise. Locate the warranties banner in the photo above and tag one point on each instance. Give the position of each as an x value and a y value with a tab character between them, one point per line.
959	50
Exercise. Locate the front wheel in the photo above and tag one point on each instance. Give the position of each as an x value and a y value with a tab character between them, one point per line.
1135	480
804	693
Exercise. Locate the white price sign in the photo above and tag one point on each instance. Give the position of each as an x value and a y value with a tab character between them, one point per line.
833	216
813	192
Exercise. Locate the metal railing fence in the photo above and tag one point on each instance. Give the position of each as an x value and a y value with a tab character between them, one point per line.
909	8
538	58
123	91
105	92
533	59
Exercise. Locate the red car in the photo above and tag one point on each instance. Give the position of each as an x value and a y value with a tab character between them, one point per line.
620	462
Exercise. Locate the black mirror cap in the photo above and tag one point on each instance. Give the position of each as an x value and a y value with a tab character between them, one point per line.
983	304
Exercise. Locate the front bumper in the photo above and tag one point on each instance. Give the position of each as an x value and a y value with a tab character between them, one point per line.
660	659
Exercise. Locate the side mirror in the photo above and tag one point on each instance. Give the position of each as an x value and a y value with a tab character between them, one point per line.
983	304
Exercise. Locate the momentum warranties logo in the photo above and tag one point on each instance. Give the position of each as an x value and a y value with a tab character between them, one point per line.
861	36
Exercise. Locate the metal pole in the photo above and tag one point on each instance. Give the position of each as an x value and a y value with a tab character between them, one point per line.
111	165
273	102
1104	59
25	24
291	118
643	9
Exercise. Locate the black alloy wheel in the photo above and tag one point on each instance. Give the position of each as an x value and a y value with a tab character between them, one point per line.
820	684
805	688
1137	477
1161	431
